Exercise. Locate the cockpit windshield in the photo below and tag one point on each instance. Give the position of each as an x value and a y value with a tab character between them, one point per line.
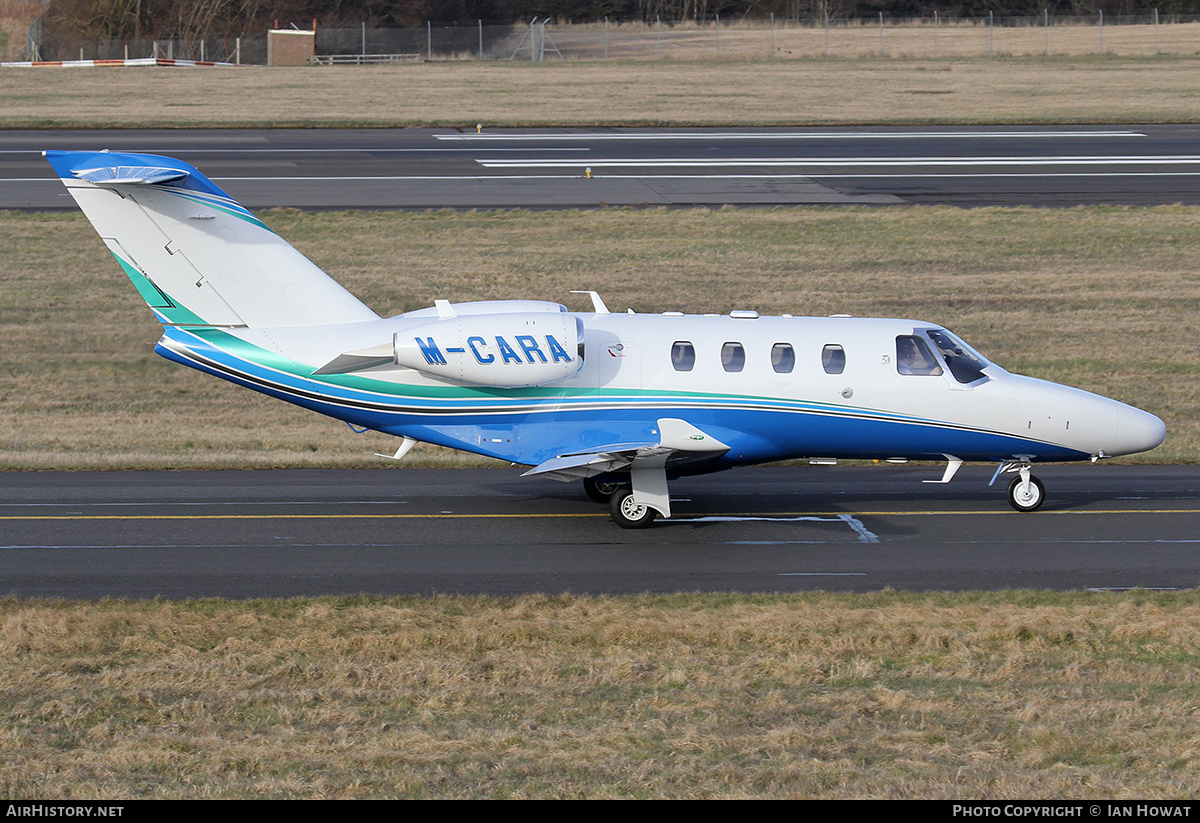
965	364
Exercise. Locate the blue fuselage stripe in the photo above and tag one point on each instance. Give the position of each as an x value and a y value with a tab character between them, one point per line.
531	429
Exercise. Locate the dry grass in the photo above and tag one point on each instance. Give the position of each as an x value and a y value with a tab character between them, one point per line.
1101	298
901	39
1005	695
700	93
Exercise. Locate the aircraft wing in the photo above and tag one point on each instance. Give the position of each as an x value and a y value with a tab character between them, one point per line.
676	439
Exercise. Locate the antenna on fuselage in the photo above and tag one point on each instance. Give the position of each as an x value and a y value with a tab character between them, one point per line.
597	304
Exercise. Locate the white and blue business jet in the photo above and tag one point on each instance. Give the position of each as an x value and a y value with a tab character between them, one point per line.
622	402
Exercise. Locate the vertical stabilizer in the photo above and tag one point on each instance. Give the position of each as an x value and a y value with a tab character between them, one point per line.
197	256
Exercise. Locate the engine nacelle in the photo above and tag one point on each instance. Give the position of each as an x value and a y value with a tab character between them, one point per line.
502	350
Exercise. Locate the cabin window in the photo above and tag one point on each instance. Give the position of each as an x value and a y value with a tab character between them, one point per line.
833	358
733	357
783	358
914	357
683	355
965	364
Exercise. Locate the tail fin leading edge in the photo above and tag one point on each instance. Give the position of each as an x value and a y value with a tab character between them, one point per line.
197	256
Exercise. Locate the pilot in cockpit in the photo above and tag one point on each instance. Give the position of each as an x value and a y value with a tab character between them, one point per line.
913	357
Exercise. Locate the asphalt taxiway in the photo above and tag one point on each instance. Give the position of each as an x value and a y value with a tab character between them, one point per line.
414	531
573	168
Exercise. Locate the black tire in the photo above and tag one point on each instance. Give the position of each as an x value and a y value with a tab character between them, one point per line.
630	515
1030	502
601	491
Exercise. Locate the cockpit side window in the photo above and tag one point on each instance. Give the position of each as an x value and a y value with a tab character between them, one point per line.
833	358
783	358
965	364
733	357
914	357
683	355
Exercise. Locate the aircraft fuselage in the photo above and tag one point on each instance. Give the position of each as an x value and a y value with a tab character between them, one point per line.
860	406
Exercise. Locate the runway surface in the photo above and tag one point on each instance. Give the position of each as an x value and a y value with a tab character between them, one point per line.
412	531
546	169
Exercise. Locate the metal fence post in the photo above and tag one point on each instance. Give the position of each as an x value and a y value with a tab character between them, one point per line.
1156	32
881	34
718	36
1046	29
429	39
826	35
991	34
772	54
1102	31
935	34
481	38
606	37
658	35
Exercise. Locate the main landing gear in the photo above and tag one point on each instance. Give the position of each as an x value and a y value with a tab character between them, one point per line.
625	510
601	491
629	514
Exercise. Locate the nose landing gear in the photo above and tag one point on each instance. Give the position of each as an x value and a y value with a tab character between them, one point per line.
1025	493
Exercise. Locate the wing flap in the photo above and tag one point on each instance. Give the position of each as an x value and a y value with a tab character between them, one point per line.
677	439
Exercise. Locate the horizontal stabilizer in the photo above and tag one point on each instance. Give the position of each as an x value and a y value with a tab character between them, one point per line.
129	175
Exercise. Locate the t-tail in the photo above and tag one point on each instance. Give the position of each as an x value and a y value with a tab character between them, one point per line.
197	256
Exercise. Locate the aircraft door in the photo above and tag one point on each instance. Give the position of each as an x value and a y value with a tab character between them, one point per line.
612	362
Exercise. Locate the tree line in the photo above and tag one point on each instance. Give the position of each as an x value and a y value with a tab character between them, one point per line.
193	19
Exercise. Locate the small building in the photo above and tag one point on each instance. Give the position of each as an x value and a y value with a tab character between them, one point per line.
290	47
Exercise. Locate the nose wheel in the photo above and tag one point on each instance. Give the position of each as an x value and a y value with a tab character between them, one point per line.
1026	493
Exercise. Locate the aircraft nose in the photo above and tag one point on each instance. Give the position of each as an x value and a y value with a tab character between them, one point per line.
1138	431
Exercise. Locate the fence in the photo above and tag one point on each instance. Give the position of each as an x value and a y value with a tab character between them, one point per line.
251	50
807	38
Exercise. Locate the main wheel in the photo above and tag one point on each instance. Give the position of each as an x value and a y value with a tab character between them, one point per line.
1026	500
599	490
627	514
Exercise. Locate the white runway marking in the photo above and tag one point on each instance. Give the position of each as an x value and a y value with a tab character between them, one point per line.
867	162
865	535
922	134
